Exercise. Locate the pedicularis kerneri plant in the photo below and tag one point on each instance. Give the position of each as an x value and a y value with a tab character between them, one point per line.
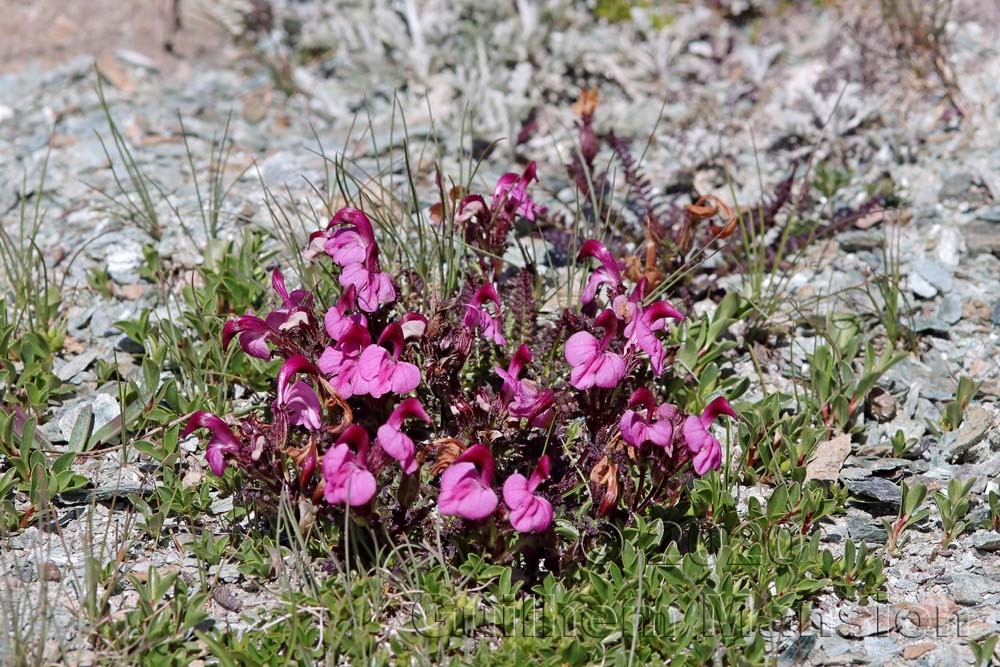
402	416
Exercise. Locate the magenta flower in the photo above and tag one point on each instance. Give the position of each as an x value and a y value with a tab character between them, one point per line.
525	399
383	373
465	485
706	448
593	365
476	315
253	335
532	402
511	192
640	332
657	426
347	480
394	441
521	358
528	511
609	273
374	286
337	321
347	245
299	400
223	442
340	361
299	298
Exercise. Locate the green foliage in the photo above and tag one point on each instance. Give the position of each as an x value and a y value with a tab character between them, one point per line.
953	507
955	408
909	515
838	389
984	651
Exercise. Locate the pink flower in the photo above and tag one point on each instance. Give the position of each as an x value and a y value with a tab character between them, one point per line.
299	400
656	427
223	442
347	480
525	399
393	441
593	365
340	361
337	321
374	287
478	316
706	448
382	373
609	273
521	358
528	511
253	335
511	192
465	485
640	332
254	332
348	244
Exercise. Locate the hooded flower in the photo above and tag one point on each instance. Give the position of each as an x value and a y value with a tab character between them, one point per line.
394	441
374	286
476	315
253	335
337	321
641	330
254	332
383	373
609	273
346	479
706	448
656	426
465	485
525	399
223	442
349	243
299	400
593	365
340	361
511	192
528	511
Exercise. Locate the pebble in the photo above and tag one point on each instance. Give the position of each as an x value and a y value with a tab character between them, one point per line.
975	423
970	589
104	408
874	490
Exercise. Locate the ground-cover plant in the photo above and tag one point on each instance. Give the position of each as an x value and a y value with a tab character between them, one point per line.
403	416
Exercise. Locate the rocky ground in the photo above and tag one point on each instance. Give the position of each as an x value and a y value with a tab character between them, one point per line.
739	99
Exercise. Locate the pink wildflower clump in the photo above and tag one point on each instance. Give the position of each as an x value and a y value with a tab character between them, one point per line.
401	395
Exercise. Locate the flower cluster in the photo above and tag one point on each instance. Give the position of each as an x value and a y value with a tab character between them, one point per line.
396	411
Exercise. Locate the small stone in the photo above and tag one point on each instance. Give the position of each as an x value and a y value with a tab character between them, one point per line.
828	458
975	425
987	541
875	489
863	526
934	274
950	309
226	598
969	589
982	237
104	407
914	651
955	186
920	287
995	318
931	326
51	572
990	214
124	261
75	365
881	405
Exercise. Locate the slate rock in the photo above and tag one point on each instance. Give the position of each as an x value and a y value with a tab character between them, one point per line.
875	490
